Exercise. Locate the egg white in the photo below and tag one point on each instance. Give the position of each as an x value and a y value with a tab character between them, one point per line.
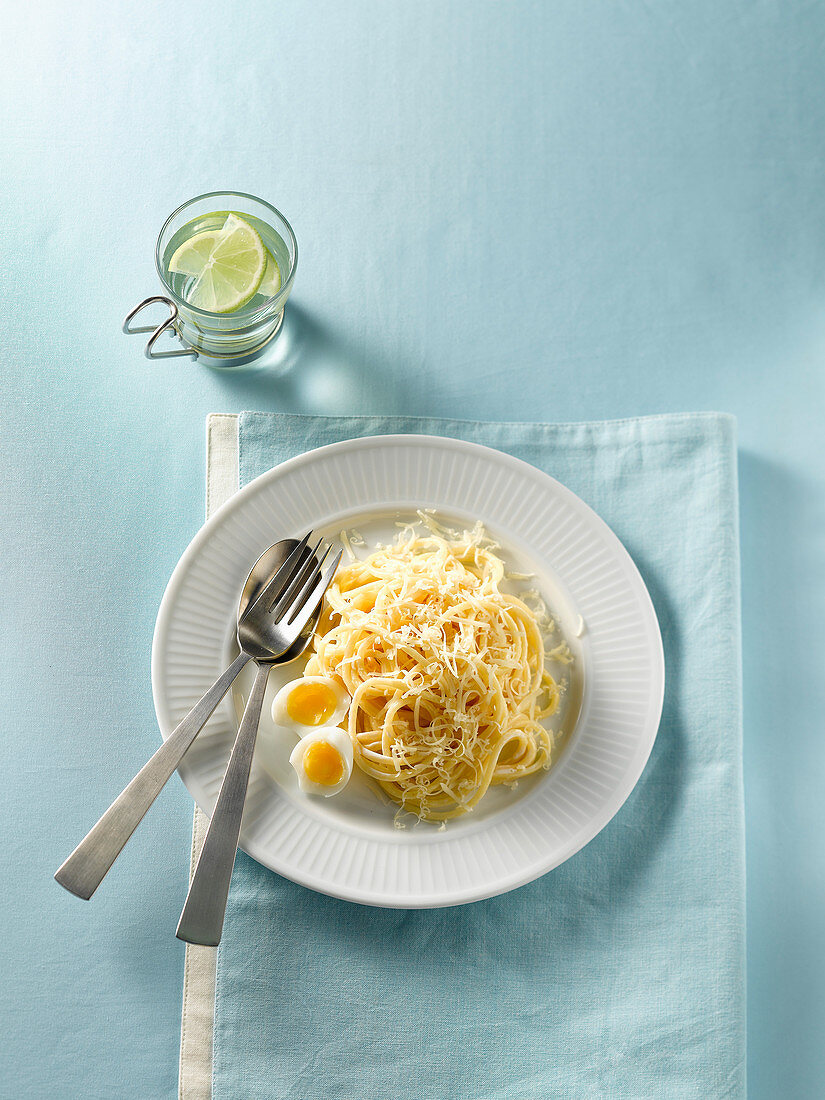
334	736
281	716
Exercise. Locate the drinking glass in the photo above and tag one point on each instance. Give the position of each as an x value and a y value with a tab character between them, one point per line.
219	339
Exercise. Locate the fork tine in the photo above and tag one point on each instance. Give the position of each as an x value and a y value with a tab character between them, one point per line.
275	585
298	593
296	583
305	610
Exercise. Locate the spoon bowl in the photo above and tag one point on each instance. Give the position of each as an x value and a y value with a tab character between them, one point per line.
261	573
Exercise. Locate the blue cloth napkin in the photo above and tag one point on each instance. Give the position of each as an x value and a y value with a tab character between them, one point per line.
620	973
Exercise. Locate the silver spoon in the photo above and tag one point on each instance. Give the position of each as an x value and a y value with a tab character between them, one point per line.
84	870
202	918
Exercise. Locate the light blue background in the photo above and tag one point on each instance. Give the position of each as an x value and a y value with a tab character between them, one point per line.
554	211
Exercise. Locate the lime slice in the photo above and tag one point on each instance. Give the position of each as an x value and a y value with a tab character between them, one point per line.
272	277
228	265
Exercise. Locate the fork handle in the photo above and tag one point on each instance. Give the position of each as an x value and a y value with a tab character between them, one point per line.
202	918
86	867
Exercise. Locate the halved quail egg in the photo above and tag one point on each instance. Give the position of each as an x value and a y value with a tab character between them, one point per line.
310	702
323	761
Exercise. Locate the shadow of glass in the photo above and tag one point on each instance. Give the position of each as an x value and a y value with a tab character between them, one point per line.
312	368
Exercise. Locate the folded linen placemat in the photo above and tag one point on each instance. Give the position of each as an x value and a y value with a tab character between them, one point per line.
620	973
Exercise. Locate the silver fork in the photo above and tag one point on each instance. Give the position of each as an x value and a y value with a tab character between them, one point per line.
86	867
202	918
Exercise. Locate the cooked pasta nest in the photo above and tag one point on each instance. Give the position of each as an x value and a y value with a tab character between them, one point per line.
446	672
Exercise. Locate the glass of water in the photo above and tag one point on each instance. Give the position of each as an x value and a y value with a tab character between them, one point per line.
227	264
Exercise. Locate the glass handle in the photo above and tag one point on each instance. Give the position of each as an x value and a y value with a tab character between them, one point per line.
156	331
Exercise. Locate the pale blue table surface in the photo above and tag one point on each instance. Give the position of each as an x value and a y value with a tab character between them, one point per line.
552	211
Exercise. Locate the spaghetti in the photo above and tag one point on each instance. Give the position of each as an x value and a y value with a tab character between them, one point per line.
446	672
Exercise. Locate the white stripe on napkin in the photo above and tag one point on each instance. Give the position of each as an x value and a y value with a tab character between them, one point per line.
198	1013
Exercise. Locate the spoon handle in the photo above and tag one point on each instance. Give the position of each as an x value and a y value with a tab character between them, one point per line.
202	918
85	868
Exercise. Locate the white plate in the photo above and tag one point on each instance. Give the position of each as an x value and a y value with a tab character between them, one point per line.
348	846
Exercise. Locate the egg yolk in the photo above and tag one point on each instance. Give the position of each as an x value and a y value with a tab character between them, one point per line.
323	764
310	704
